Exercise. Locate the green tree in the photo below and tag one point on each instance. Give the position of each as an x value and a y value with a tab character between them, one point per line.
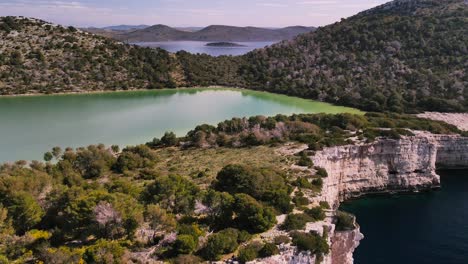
24	211
251	215
56	151
173	193
296	222
48	156
159	219
224	242
269	249
185	244
169	139
105	252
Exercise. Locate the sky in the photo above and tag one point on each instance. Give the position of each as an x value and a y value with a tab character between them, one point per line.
262	13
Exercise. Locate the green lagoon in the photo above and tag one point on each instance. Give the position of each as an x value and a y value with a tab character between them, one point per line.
32	125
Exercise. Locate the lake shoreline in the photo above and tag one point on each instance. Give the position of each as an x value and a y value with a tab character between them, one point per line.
214	87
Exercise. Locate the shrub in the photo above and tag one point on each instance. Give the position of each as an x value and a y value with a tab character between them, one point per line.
185	244
173	193
224	242
269	249
264	184
104	252
321	172
310	242
318	183
248	253
344	221
305	161
251	215
169	139
296	222
303	182
282	240
300	201
187	259
316	213
325	205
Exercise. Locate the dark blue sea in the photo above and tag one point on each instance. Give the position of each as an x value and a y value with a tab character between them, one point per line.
428	228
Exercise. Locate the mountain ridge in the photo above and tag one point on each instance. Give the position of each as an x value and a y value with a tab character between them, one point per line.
405	56
157	33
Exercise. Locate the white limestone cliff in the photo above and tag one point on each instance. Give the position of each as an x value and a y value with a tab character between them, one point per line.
384	166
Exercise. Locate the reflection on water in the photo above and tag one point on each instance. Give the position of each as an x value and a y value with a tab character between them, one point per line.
200	47
31	125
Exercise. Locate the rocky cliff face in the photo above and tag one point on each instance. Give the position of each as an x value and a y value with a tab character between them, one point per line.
385	166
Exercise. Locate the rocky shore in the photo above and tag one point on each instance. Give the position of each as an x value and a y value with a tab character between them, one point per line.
384	166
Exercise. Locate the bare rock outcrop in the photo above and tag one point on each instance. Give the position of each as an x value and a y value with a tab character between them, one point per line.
384	166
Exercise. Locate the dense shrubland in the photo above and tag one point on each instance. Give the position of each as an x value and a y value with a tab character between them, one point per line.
402	57
405	56
99	205
39	57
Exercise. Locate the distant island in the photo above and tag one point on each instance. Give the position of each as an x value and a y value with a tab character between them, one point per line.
223	44
158	33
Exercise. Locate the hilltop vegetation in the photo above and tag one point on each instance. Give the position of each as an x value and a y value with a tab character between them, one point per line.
402	56
184	200
405	56
36	56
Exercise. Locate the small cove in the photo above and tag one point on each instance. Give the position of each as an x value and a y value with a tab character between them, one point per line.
425	228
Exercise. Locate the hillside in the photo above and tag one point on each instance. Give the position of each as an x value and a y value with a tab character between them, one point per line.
402	56
36	56
125	27
211	33
246	188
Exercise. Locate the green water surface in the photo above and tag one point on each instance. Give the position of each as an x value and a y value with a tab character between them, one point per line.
31	125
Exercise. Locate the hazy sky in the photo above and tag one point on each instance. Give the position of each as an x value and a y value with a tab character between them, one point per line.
267	13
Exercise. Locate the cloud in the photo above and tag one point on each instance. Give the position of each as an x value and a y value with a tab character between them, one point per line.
271	5
268	13
65	12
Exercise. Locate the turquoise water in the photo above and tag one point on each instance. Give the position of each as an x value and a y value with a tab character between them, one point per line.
429	228
31	125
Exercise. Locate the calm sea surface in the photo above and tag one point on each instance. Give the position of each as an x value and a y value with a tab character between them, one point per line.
200	47
430	228
32	125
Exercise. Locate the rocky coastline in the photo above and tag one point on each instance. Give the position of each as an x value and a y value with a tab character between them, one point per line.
384	166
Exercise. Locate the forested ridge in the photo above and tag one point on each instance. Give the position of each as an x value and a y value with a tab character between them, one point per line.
404	56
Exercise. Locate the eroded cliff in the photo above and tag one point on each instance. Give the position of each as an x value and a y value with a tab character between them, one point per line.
384	166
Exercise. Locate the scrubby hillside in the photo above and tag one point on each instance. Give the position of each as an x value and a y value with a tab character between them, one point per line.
212	195
36	56
402	56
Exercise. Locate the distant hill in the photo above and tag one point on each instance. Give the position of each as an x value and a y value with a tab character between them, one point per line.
401	56
40	57
404	56
125	27
211	33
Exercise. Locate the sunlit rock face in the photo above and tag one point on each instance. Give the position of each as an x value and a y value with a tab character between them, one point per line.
384	166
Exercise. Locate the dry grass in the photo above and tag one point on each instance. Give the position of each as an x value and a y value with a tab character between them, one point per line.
202	165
